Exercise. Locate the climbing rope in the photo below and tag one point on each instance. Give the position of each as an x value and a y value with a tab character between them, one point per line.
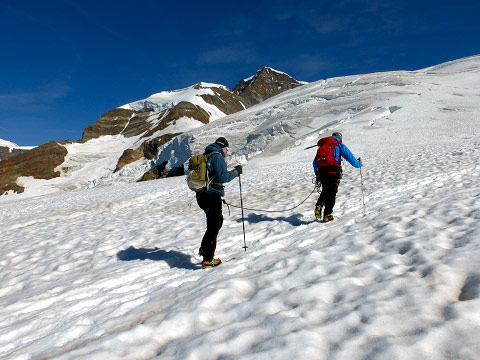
317	188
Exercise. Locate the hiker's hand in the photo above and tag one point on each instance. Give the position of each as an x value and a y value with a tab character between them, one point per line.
361	162
239	169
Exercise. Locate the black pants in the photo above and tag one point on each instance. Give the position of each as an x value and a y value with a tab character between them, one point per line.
330	179
212	205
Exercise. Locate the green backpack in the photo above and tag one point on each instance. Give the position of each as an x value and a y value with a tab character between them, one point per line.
197	178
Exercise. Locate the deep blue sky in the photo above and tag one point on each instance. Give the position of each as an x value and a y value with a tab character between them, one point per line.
63	63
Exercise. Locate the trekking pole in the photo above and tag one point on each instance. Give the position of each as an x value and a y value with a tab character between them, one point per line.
243	221
363	197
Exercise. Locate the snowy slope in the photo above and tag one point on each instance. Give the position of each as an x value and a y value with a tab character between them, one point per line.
11	145
112	272
7	143
168	99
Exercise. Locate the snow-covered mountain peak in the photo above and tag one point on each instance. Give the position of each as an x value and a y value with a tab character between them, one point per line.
168	99
205	85
264	70
8	144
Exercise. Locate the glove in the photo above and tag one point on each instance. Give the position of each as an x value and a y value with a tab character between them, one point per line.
239	169
361	162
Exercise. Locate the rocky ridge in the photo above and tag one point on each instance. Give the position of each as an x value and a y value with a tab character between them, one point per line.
9	149
39	163
7	153
266	83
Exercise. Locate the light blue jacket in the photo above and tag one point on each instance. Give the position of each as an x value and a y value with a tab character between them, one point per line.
341	151
216	165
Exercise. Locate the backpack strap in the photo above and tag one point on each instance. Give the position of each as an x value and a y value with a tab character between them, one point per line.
334	142
209	179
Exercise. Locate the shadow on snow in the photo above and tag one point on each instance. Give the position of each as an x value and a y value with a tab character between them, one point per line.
294	220
172	258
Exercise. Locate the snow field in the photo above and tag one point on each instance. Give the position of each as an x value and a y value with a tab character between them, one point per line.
113	273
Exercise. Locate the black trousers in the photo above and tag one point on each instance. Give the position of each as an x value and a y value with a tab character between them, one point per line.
330	179
211	204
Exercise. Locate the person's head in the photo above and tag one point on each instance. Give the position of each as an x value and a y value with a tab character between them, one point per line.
338	135
223	143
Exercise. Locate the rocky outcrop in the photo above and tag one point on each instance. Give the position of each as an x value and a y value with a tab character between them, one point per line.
161	171
182	109
39	163
7	153
147	150
224	100
157	122
111	123
265	84
139	123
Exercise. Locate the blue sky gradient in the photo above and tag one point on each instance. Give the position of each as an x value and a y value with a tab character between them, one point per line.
64	63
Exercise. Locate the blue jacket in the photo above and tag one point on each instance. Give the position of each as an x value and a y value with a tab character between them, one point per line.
341	151
217	166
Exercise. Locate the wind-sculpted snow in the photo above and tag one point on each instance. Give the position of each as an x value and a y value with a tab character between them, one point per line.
112	272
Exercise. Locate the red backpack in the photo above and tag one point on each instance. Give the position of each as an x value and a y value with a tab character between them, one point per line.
326	151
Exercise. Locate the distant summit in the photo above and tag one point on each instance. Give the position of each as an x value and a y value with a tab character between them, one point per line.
266	82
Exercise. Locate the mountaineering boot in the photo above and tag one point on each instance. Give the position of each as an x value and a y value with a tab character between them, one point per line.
328	218
212	263
318	211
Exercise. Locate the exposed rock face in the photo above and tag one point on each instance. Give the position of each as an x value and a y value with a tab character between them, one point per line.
111	123
224	100
265	84
160	171
40	163
138	124
5	152
147	150
155	173
182	109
